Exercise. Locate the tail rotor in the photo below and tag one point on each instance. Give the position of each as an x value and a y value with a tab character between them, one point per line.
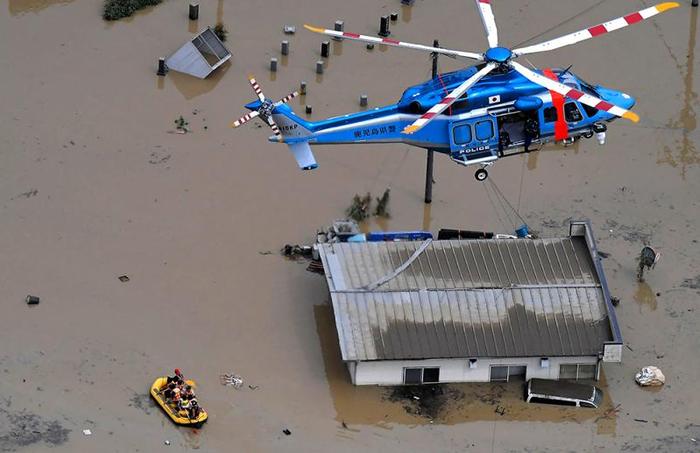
264	109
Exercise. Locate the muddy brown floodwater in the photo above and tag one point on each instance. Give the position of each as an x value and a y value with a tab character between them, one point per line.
94	185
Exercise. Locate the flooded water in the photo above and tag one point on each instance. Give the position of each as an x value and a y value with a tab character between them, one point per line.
94	185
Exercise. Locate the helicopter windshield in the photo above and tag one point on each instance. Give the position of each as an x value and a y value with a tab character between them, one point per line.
588	88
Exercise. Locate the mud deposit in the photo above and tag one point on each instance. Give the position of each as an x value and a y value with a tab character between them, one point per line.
429	401
23	429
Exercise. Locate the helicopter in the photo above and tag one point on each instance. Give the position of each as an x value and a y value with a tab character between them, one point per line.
477	115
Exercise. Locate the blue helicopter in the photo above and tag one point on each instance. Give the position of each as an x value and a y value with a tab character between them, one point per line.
476	115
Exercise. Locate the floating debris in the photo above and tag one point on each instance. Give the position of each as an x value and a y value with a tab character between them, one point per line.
382	209
296	251
181	125
289	29
221	32
32	300
232	380
650	376
359	209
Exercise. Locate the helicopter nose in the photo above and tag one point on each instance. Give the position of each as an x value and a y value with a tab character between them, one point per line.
618	98
627	101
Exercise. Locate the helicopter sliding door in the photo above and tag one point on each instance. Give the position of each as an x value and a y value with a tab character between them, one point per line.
474	140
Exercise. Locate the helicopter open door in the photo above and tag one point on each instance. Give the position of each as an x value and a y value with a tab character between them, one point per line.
474	140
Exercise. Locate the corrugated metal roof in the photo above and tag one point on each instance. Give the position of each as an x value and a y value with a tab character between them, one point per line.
466	298
200	56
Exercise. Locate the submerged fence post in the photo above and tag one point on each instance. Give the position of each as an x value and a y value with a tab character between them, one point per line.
162	68
194	10
430	157
384	26
339	26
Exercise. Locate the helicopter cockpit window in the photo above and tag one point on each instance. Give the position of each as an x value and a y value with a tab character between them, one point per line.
484	130
590	111
462	134
572	113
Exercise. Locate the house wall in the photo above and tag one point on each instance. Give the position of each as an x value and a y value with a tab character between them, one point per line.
390	372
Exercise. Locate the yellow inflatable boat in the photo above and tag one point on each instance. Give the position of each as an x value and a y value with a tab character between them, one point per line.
179	416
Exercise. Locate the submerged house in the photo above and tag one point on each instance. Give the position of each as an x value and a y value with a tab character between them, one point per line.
472	310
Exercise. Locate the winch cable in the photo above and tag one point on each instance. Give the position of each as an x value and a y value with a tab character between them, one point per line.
505	205
501	223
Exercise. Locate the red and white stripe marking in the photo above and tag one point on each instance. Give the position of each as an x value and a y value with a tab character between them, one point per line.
448	100
393	42
257	89
244	119
273	126
287	98
574	94
489	21
598	30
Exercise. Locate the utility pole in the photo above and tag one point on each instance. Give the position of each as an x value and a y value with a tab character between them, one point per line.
429	163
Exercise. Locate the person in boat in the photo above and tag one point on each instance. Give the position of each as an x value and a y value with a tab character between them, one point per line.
188	392
177	378
185	404
195	410
169	391
176	396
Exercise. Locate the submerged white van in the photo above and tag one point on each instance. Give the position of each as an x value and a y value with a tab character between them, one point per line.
563	393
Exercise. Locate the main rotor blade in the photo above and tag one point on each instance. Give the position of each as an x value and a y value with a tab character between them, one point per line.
275	129
287	98
574	94
489	21
394	43
256	88
448	100
600	29
244	119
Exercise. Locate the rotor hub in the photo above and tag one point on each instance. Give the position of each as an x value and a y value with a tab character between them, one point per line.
266	108
498	54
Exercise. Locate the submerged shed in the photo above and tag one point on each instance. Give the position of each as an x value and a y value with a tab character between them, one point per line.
200	56
472	310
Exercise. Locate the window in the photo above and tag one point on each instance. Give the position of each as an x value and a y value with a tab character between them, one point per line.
538	400
484	130
505	373
413	376
577	371
431	375
572	113
586	371
417	376
462	134
499	374
550	114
